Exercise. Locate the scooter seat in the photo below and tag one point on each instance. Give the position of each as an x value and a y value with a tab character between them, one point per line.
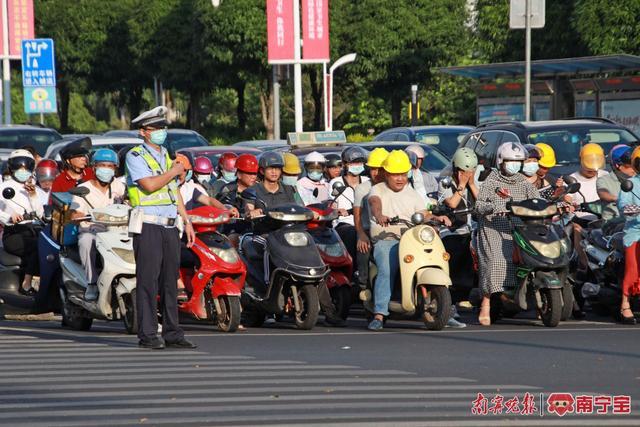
9	260
597	237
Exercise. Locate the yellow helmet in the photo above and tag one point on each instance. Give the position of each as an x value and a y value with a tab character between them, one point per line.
377	157
397	162
291	164
548	156
592	156
635	159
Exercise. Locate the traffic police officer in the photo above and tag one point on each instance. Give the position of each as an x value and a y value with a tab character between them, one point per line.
153	192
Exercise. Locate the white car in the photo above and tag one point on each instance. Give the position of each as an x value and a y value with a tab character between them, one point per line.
114	143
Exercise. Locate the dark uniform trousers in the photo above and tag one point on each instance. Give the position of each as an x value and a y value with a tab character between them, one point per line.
157	253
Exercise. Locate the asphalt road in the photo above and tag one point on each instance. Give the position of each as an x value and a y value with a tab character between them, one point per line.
277	375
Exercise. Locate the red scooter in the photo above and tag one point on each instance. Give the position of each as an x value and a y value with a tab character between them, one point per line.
334	254
215	275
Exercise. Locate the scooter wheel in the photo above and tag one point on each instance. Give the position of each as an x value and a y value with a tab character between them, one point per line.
229	317
551	306
567	301
307	317
436	311
341	297
72	317
130	316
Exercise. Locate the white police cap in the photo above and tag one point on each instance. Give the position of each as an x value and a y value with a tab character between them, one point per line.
154	118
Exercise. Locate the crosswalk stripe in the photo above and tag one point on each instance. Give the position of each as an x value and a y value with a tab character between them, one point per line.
128	357
62	365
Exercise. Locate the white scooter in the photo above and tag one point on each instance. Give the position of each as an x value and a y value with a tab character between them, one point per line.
117	281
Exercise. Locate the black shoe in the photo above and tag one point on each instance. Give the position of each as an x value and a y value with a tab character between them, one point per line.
631	320
152	343
181	343
578	314
336	322
28	292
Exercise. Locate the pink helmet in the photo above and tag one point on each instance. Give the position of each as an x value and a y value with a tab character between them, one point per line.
202	165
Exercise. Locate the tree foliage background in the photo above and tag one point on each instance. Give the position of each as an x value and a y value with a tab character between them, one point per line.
211	63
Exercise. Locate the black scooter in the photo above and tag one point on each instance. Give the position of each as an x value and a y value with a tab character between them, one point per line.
295	266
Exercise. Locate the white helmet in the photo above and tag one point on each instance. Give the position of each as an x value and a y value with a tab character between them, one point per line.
511	151
416	149
21	153
314	157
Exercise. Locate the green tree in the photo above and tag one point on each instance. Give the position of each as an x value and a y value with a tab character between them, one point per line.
609	27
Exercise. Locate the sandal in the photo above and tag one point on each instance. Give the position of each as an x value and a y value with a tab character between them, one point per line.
485	320
627	320
182	296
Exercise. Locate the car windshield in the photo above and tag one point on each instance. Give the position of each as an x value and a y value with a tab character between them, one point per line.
18	138
185	140
567	143
446	142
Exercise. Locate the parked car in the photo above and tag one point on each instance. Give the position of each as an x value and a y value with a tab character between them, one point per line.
213	152
444	138
114	143
176	138
565	136
13	137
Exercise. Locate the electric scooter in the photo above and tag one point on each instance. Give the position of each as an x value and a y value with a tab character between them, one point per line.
422	290
215	275
294	264
117	281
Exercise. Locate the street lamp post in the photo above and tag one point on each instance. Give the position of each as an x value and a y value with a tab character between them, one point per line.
328	88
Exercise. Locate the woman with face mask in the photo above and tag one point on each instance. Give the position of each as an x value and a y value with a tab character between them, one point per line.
21	239
226	173
313	188
495	241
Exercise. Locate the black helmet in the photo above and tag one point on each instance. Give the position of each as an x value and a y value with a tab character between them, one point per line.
77	148
333	160
354	154
271	159
533	151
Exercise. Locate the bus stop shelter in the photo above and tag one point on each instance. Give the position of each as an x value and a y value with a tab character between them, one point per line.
604	86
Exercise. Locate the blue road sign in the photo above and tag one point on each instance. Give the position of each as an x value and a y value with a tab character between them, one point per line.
40	100
38	63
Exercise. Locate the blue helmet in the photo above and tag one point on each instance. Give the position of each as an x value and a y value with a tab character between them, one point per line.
105	155
620	155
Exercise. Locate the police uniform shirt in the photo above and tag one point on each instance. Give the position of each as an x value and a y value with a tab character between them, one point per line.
137	169
17	205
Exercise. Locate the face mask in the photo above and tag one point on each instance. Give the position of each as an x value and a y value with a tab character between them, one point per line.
356	170
159	136
229	176
188	176
105	174
22	175
315	175
512	168
204	178
529	169
289	180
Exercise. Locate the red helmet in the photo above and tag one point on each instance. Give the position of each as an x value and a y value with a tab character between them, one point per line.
227	162
202	165
247	163
47	170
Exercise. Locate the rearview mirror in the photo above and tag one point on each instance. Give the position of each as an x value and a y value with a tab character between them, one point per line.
79	191
572	188
8	193
625	186
446	182
417	218
337	188
249	194
568	179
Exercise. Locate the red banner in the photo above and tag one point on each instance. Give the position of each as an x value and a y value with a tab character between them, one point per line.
315	29
20	24
280	30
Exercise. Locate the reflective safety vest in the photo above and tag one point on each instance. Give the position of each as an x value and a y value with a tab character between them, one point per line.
167	195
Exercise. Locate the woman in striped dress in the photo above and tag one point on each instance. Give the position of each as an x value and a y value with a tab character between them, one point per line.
495	241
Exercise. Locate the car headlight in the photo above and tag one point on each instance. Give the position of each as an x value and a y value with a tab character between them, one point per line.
296	238
427	234
126	255
227	255
549	250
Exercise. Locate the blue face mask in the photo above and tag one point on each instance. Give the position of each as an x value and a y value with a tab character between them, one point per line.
158	137
188	176
22	175
229	176
529	169
289	180
315	175
356	170
105	174
512	168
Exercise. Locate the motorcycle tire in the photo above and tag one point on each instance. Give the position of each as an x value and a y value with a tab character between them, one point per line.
567	302
130	316
436	312
72	317
341	297
551	311
229	318
253	318
307	317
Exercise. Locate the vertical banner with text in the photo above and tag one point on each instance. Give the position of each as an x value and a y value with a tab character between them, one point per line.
280	37
315	30
20	23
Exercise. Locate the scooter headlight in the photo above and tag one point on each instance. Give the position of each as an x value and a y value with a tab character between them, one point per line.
549	250
227	255
296	238
125	254
110	219
427	234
